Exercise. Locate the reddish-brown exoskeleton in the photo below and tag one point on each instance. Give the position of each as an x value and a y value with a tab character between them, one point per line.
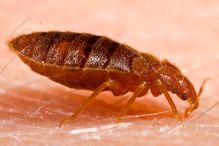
97	63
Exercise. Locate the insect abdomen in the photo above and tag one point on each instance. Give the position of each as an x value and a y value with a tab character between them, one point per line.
80	50
81	60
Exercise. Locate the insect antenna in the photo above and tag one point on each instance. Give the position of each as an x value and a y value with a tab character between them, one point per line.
12	35
202	86
22	24
5	66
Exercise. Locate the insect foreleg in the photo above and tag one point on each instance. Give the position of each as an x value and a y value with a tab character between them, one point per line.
169	99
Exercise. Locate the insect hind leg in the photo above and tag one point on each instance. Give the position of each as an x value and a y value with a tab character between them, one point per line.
108	84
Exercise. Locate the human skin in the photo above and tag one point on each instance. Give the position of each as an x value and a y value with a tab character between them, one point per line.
185	33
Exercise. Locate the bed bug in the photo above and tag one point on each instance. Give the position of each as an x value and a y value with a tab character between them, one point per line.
97	63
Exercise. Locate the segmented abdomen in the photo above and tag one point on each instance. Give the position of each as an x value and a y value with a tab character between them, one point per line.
80	50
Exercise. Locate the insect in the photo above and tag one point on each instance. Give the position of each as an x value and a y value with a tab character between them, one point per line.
97	63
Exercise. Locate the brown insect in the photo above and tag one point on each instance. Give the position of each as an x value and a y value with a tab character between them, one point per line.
97	63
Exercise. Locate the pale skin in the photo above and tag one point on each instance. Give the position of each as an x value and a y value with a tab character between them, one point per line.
184	33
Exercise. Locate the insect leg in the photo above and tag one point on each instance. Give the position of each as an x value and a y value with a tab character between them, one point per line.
137	92
101	88
169	99
194	105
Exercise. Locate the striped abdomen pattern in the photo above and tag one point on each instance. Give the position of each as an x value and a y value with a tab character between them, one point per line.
80	50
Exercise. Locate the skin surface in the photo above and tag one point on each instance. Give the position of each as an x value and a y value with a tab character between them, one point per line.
186	33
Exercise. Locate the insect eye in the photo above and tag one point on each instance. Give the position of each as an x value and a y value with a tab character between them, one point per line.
184	96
